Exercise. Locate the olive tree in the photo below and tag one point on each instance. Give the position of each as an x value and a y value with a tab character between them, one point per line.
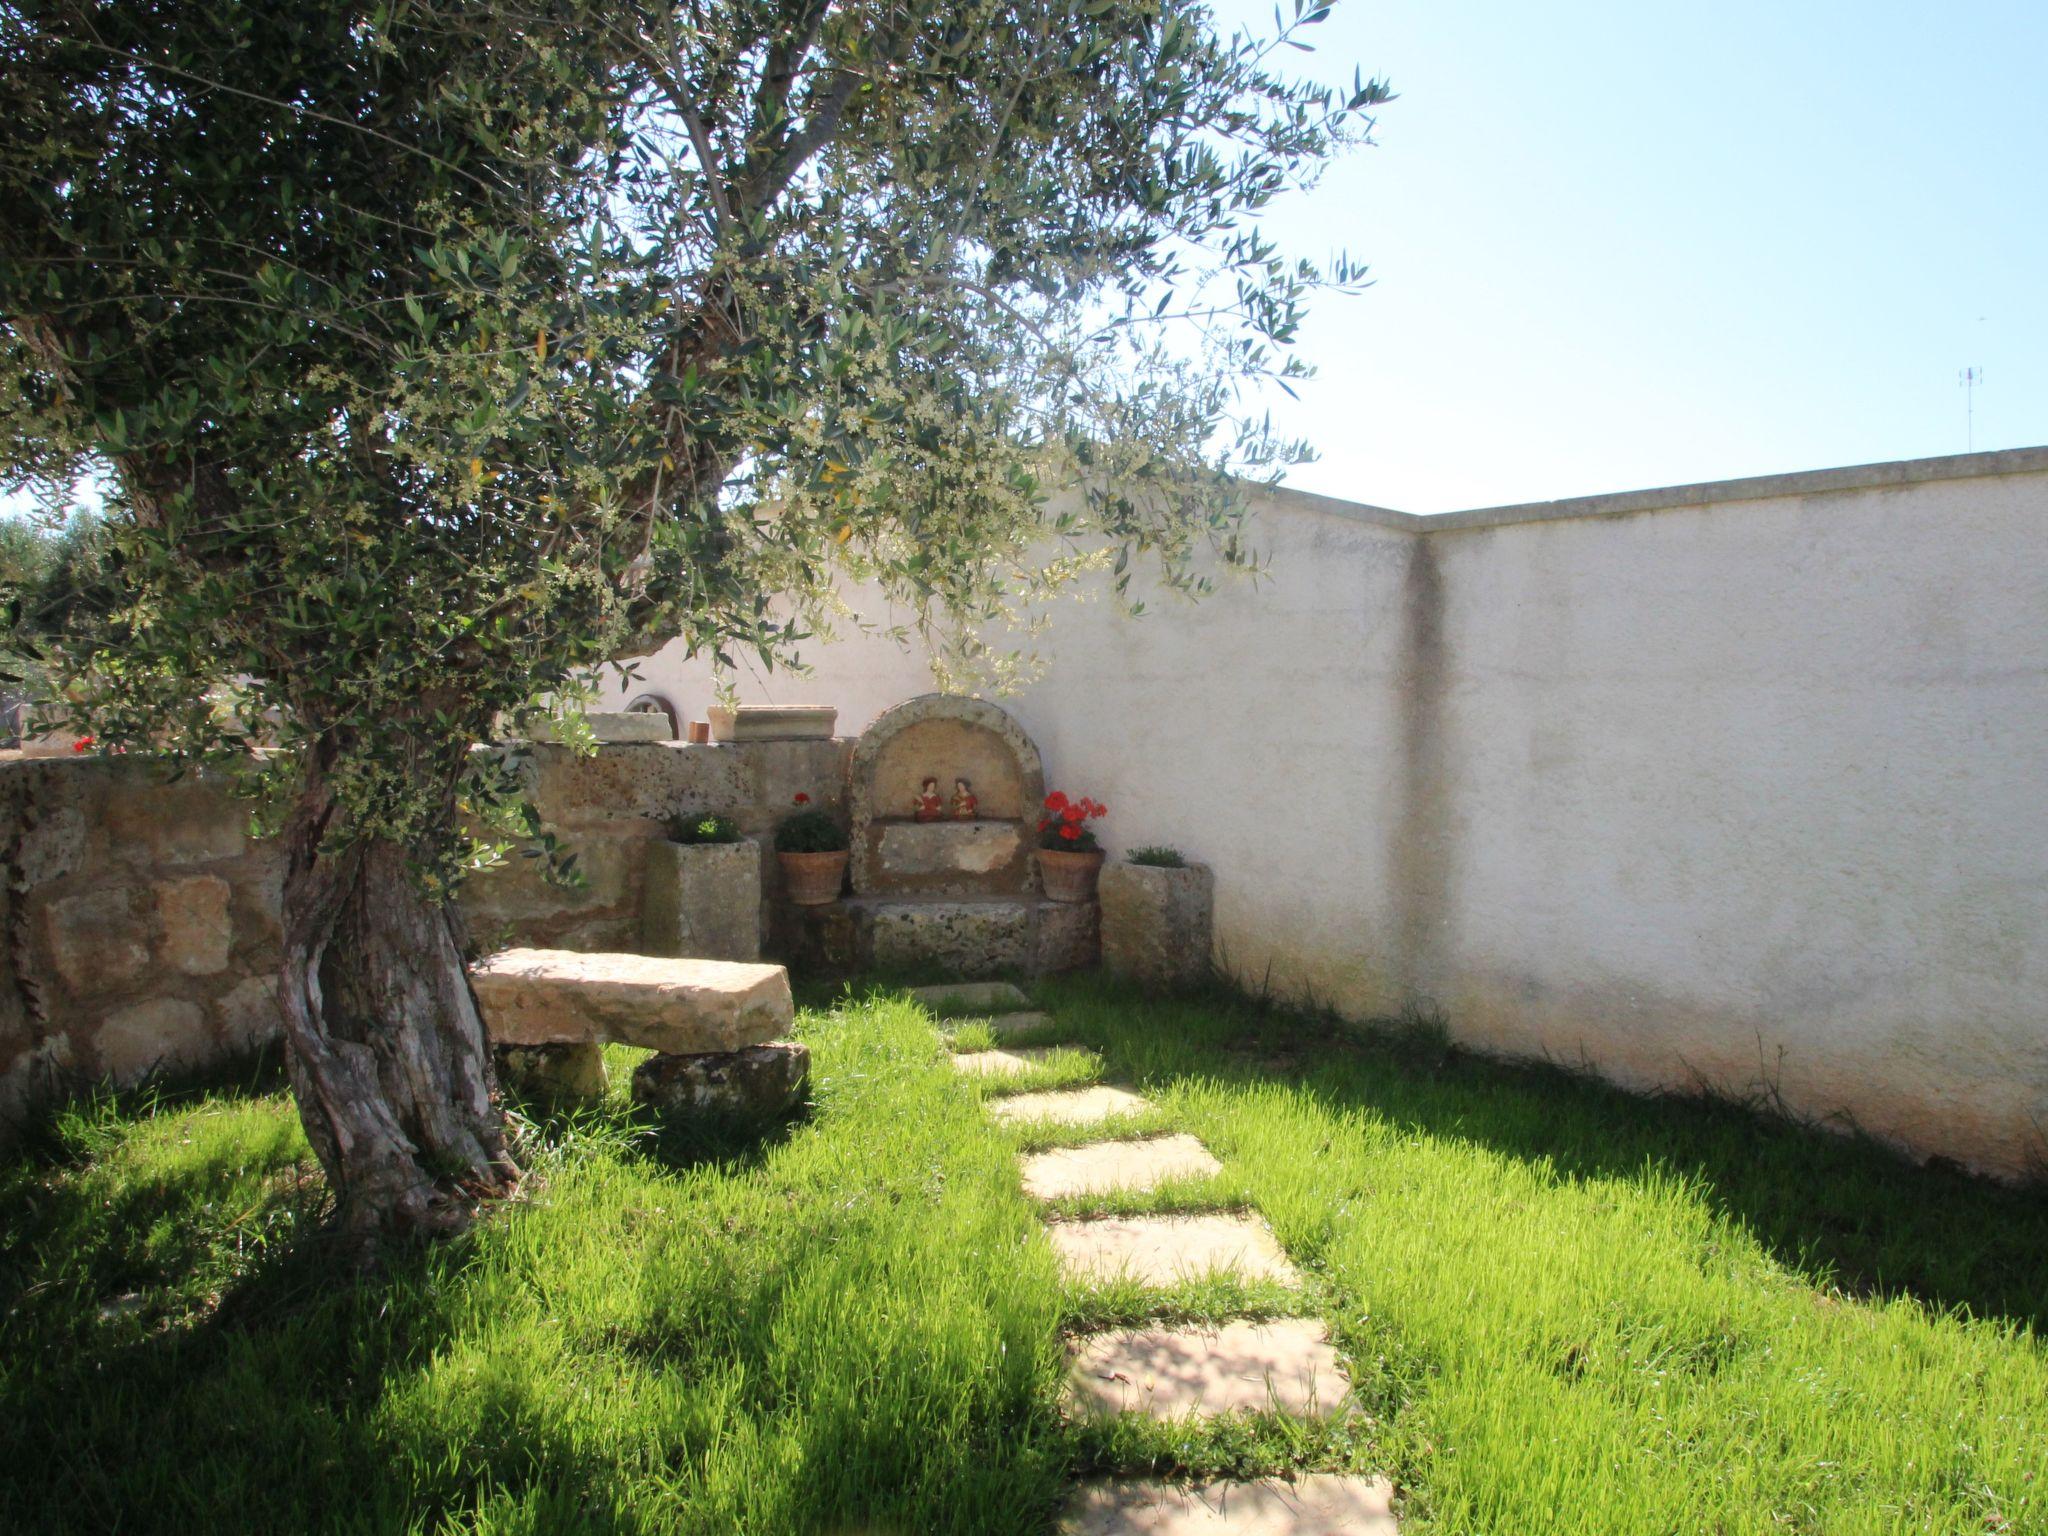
437	352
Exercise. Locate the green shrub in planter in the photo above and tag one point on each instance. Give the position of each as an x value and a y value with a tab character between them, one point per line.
1157	857
708	828
810	831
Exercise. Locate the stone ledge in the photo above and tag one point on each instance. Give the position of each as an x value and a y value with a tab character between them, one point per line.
685	1007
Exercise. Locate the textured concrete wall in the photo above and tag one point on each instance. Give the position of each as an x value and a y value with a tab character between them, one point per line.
1744	783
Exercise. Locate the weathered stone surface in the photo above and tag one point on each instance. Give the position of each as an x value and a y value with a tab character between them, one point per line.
612	726
1285	1364
248	1014
1007	1026
162	1033
936	850
760	1080
1069	936
563	1073
974	938
969	996
947	737
1072	1106
98	938
1157	923
1107	1165
1001	1063
197	929
190	821
702	900
560	997
1168	1250
1322	1504
771	722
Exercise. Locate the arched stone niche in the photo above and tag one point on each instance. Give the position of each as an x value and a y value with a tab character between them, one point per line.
946	737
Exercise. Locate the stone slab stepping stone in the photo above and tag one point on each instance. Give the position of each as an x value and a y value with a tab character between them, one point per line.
1321	1505
1004	1026
1107	1165
1073	1106
1168	1250
677	1007
1002	1063
1241	1367
970	996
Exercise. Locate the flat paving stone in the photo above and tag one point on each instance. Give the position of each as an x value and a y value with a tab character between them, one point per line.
1107	1165
962	996
1168	1250
1002	1063
1071	1106
1325	1504
1242	1367
1005	1026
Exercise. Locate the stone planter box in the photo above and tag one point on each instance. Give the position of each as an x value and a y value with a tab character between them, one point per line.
1156	923
765	722
702	900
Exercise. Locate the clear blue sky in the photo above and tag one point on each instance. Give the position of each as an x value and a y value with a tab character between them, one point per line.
1628	243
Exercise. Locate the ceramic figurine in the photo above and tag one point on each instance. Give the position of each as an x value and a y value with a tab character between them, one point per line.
963	800
929	806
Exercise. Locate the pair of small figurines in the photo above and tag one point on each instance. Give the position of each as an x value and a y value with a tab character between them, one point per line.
931	808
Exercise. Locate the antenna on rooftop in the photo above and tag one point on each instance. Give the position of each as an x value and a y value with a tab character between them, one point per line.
1968	380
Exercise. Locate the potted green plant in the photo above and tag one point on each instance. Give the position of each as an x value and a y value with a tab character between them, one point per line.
1069	857
702	894
810	845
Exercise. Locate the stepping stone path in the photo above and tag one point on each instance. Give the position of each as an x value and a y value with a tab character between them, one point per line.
1356	1506
1242	1366
1002	1063
1072	1106
971	997
1167	1250
1111	1165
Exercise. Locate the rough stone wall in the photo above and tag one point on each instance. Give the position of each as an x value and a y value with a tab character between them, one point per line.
141	926
140	918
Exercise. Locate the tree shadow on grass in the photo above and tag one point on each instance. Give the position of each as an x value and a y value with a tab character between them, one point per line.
1839	1209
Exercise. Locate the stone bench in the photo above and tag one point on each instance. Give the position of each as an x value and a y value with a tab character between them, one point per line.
716	1026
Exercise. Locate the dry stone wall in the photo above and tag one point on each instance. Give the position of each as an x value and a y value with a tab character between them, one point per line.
140	916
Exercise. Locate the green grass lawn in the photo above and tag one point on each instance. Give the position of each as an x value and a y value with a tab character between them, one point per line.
1566	1310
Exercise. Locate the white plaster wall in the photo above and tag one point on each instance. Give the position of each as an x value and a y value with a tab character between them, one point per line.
1757	793
1745	784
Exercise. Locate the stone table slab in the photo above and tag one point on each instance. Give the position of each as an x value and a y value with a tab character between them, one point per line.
1072	1106
1169	1250
1285	1364
1324	1504
677	1007
1106	1165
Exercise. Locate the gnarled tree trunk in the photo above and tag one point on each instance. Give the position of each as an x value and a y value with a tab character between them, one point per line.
387	1054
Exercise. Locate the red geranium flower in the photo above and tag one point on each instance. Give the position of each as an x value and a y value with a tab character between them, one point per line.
1100	810
83	744
1070	832
802	798
1056	801
1074	813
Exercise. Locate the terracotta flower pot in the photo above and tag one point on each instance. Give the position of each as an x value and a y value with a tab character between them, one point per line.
1069	876
813	879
